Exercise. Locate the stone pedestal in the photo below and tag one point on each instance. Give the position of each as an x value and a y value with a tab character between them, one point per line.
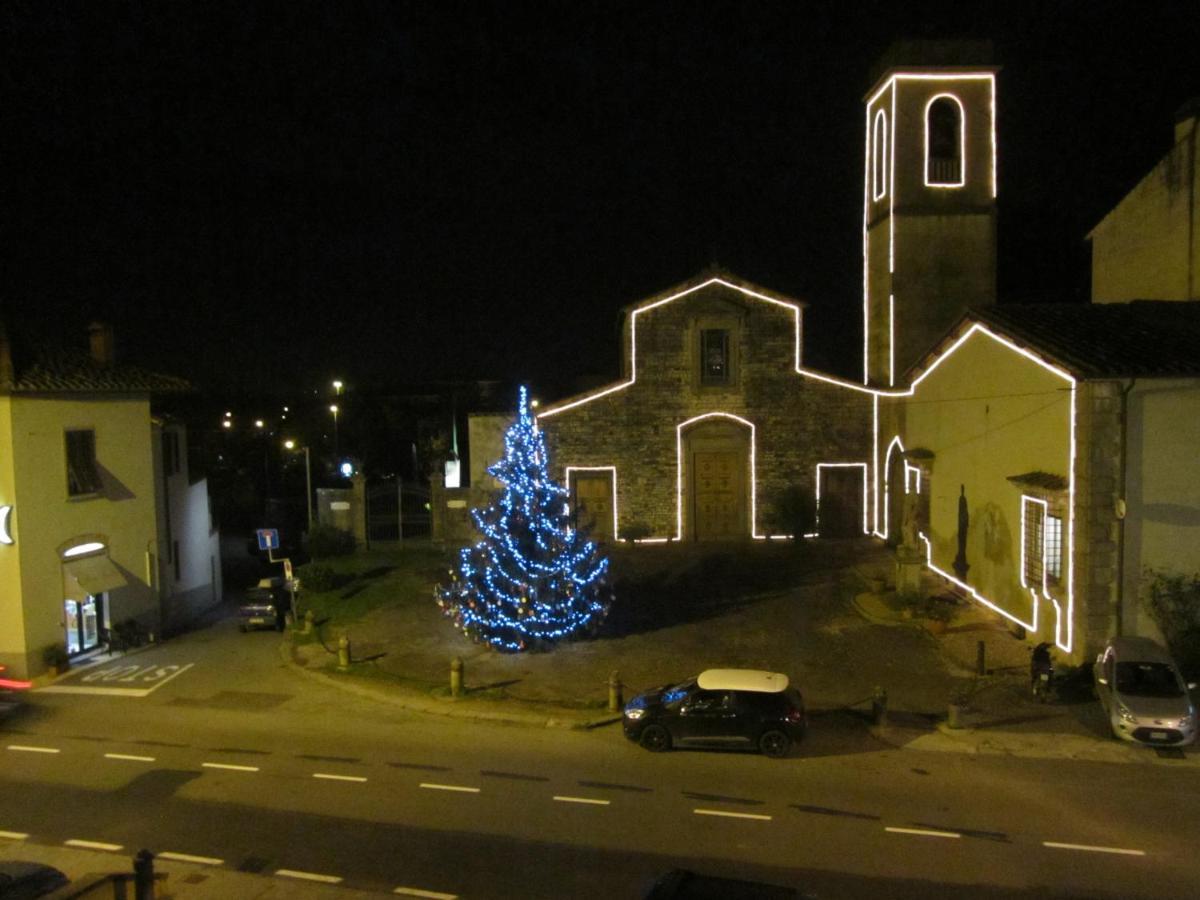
908	572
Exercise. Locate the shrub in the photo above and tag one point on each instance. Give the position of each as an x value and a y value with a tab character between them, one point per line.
1173	601
317	577
635	531
795	512
56	655
326	540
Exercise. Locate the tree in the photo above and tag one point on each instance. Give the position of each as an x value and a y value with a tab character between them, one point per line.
532	579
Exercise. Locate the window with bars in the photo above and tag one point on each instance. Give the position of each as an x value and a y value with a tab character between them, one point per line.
714	356
1034	538
1054	548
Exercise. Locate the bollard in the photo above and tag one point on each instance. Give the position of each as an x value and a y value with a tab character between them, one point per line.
879	707
615	700
954	715
308	621
456	677
344	652
143	875
981	658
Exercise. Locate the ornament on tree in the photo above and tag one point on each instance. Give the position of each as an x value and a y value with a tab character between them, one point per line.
532	579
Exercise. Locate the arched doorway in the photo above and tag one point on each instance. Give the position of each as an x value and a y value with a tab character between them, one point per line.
715	478
893	493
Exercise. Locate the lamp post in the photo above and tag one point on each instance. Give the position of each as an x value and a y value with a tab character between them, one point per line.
333	408
291	445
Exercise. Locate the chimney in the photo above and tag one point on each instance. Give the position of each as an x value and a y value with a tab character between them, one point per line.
100	334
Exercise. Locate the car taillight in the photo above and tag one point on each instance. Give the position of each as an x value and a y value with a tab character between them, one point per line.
13	684
795	715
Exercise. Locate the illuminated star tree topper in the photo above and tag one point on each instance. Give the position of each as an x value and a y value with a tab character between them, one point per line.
532	579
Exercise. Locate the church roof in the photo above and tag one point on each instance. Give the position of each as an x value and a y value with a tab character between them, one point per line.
714	274
1143	338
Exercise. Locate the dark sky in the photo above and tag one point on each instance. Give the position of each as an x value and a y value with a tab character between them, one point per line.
278	194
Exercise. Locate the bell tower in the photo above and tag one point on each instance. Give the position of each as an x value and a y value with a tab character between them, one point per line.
929	199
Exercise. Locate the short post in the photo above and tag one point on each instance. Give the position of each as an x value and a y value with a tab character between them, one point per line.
615	700
143	875
980	658
456	677
344	652
879	707
308	621
954	715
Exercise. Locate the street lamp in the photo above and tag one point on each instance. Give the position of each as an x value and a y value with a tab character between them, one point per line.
337	388
333	408
291	445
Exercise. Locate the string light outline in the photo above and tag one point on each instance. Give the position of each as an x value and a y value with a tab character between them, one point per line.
962	142
679	471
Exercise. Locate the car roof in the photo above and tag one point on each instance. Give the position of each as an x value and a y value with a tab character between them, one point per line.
742	680
1140	649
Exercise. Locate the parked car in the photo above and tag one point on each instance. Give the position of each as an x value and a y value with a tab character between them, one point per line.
266	605
1146	698
12	694
727	708
26	880
683	884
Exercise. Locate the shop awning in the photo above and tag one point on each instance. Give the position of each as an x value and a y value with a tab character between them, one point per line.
95	574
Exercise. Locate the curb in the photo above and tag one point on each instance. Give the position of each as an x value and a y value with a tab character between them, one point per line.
403	699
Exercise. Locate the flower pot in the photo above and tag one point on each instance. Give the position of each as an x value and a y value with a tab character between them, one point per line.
935	626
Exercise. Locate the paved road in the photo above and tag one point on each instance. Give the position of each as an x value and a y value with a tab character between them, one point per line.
218	751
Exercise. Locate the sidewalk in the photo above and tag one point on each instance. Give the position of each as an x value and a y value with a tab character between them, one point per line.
184	881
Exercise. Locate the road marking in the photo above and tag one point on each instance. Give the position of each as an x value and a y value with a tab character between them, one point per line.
428	895
129	756
1087	848
23	748
309	876
188	858
582	800
327	777
230	766
730	815
449	787
92	845
13	835
139	672
924	832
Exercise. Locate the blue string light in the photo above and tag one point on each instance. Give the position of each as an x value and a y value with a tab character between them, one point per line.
532	579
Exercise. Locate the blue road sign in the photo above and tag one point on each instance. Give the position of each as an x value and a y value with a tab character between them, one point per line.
268	538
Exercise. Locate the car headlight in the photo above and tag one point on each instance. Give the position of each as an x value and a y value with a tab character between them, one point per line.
1185	723
633	712
1125	714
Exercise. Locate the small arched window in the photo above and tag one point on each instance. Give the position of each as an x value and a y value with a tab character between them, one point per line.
945	135
879	157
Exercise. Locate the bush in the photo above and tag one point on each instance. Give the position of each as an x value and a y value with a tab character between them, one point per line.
795	512
326	540
635	531
1173	601
317	577
56	655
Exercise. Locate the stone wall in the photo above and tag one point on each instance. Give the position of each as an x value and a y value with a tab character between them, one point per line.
798	421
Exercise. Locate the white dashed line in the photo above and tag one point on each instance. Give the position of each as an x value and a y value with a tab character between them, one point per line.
428	895
188	858
92	845
129	757
13	835
328	777
309	876
23	748
450	787
731	815
230	767
583	800
924	832
1087	848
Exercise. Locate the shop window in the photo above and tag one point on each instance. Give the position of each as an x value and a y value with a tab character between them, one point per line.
83	477
714	356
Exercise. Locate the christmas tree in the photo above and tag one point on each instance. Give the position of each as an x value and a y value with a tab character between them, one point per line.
532	579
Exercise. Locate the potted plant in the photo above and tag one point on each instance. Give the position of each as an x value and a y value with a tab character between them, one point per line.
56	659
937	614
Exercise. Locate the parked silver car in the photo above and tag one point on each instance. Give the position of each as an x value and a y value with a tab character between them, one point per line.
1146	698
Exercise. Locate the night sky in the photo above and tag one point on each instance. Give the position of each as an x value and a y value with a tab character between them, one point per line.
393	193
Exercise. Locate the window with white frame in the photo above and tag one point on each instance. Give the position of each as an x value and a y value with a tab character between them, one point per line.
944	139
1053	545
1033	540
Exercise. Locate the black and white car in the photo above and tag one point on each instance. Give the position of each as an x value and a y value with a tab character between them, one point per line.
720	708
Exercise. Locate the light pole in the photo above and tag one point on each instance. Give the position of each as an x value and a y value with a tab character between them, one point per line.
291	445
333	408
337	388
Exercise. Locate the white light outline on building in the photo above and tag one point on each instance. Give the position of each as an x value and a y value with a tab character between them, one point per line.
843	465
679	471
567	474
83	549
893	83
887	484
910	469
891	340
1045	585
879	185
962	142
6	525
962	585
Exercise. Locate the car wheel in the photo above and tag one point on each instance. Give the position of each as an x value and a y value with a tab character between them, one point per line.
774	744
656	739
